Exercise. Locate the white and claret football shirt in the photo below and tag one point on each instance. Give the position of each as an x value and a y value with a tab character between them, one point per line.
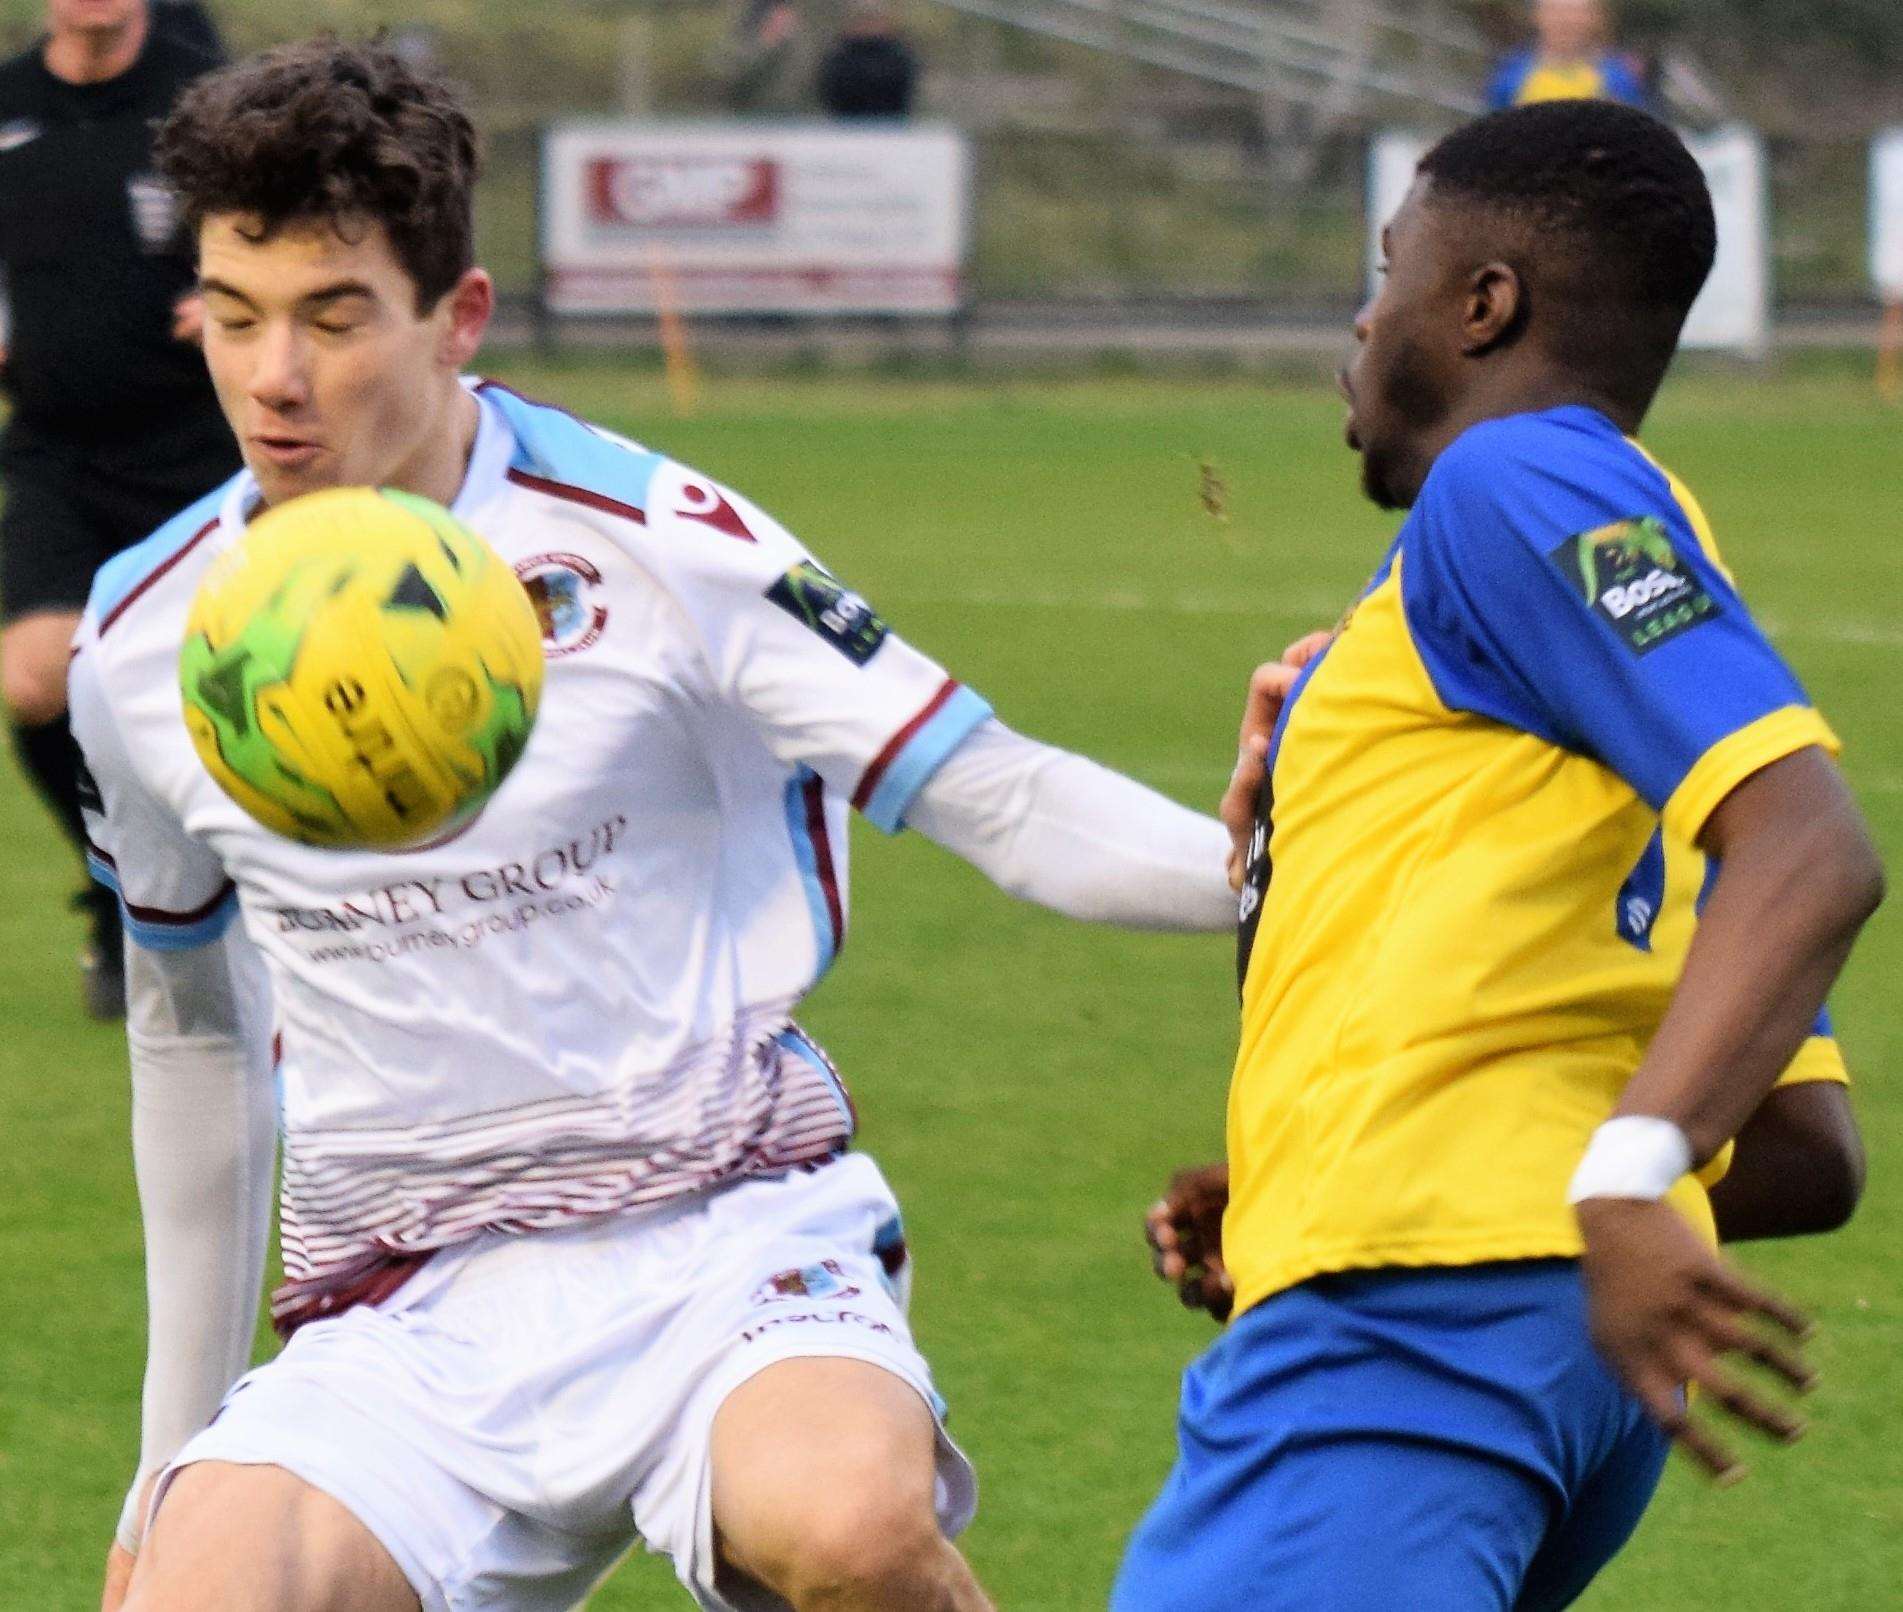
1481	875
581	1003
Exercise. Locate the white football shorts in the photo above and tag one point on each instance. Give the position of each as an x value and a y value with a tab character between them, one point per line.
527	1408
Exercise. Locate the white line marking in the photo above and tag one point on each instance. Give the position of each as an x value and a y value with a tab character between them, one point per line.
1214	774
1862	633
1312	605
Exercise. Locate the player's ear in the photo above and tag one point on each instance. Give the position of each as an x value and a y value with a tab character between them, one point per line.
470	303
1493	309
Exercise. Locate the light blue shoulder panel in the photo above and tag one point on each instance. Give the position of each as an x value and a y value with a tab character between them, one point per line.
557	446
115	580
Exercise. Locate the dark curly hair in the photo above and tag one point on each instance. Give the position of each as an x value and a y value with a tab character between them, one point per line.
332	132
1609	216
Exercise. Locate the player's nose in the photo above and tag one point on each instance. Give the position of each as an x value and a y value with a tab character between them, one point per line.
279	379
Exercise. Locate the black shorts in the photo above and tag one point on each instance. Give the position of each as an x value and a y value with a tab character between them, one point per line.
66	513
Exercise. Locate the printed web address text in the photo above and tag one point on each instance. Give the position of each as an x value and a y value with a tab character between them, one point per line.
471	934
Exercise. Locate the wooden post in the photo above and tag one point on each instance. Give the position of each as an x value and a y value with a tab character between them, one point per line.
634	65
1890	353
677	353
541	315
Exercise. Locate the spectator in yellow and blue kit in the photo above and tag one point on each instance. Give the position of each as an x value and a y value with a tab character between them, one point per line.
1571	59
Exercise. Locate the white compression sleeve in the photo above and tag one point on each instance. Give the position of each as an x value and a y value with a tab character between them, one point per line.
204	1135
1056	829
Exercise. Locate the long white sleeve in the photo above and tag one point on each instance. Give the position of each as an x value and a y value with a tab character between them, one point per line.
1056	829
204	1132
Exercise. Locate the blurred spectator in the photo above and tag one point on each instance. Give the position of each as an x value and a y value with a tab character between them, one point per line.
114	424
761	58
1571	59
414	45
870	72
187	22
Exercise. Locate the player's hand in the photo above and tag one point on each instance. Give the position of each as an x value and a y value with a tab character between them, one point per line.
119	1565
1268	690
1667	1311
188	318
1184	1231
120	1561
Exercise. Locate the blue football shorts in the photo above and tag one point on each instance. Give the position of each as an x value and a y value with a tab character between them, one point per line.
1434	1440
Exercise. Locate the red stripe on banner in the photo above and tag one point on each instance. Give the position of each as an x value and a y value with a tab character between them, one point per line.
723	288
814	791
809	273
898	742
579	495
131	598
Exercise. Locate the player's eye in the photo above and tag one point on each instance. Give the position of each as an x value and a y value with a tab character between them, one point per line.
335	327
234	322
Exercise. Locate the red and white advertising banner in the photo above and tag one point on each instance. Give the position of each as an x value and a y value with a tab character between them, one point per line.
638	217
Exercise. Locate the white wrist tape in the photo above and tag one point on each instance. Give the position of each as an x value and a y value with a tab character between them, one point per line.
130	1533
1634	1156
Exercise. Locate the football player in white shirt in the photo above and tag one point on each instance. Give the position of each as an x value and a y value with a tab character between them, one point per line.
577	1252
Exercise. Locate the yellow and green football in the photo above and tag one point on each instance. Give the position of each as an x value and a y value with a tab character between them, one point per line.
360	670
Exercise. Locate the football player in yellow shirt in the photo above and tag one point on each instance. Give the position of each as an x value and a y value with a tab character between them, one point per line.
1570	59
1487	1061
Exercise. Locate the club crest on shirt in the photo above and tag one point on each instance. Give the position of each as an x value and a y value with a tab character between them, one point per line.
828	607
560	586
826	1280
18	132
154	208
1631	577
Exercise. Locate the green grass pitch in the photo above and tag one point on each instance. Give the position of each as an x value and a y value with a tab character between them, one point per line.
1029	1084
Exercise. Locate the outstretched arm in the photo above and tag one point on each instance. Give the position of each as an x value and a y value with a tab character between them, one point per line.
203	1108
204	1145
1056	829
1062	831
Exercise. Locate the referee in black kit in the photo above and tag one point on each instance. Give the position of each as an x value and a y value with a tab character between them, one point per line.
114	424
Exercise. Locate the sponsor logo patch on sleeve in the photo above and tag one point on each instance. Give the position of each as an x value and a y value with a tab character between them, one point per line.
828	607
1633	580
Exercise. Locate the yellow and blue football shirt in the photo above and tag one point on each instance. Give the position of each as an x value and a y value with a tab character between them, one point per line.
1485	800
1525	77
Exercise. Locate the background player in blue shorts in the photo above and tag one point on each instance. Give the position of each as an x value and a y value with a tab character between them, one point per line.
1551	875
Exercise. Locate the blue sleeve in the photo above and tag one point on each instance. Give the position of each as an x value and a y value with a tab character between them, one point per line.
1622	83
1504	87
1553	583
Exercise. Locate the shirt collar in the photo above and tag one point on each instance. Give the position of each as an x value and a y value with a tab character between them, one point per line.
489	458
